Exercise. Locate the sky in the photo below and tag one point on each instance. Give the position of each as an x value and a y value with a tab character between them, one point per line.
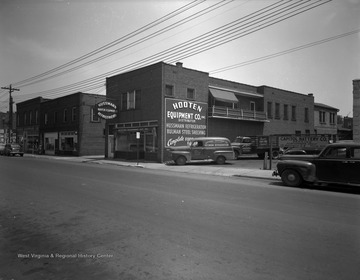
315	51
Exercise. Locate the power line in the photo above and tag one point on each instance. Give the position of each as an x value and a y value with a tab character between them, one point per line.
137	42
117	41
274	55
215	35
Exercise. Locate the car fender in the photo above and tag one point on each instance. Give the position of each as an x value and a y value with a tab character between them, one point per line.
306	169
227	154
176	154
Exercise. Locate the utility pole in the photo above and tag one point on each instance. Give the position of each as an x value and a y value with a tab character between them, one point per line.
11	89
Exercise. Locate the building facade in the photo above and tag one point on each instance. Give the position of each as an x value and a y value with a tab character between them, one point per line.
165	105
288	112
63	126
325	120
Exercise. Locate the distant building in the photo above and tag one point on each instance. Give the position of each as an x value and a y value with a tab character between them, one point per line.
325	120
66	125
4	128
344	128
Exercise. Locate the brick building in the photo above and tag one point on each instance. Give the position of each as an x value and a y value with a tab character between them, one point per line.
288	112
167	105
65	125
325	120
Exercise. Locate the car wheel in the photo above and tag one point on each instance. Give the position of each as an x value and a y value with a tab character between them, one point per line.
220	160
291	178
275	154
180	160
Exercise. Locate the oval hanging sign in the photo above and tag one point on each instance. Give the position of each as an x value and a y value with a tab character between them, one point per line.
106	110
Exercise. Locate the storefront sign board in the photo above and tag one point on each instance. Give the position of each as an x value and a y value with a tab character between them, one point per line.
106	110
184	120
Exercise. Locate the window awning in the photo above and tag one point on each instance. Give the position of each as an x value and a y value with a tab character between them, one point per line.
223	95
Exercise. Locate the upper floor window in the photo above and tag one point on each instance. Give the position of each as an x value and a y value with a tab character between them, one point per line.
269	110
332	118
30	117
306	115
73	114
94	116
25	119
277	111
293	113
190	94
55	117
131	100
322	117
65	116
286	112
36	117
169	90
46	118
252	106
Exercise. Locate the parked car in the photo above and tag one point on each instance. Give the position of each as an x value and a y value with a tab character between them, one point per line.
2	148
217	149
337	163
13	149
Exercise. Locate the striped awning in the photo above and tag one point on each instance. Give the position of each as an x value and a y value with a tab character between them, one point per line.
223	95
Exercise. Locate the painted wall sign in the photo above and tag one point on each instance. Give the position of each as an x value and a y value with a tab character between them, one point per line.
184	120
311	141
106	110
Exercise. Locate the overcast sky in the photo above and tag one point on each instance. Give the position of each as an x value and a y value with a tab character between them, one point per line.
316	51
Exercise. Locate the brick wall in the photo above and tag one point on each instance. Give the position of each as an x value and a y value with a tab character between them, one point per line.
285	124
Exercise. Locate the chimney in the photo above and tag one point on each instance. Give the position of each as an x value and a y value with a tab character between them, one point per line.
356	110
179	64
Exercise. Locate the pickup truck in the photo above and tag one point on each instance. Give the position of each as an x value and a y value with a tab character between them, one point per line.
216	149
337	163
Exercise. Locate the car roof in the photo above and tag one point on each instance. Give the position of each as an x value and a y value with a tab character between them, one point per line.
209	138
347	144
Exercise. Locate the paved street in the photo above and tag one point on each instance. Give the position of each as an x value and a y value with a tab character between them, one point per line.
73	220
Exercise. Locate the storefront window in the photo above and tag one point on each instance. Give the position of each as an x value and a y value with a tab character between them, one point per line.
68	141
126	140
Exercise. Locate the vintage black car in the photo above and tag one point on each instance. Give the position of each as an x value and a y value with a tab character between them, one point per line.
337	164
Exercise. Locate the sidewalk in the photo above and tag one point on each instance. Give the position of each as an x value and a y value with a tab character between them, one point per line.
215	170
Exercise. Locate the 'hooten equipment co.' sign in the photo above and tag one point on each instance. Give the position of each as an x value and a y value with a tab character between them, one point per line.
184	120
106	110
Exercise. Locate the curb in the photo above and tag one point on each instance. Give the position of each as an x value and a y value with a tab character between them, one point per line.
225	172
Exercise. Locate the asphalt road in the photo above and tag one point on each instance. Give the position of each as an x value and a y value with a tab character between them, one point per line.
66	220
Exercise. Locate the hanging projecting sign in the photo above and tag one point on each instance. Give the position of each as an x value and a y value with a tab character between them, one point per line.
184	120
106	110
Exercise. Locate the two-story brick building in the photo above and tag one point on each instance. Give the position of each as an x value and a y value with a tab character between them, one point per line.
65	125
325	120
167	105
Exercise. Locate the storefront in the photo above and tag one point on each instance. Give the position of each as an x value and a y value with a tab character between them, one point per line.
29	140
68	142
136	140
51	140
